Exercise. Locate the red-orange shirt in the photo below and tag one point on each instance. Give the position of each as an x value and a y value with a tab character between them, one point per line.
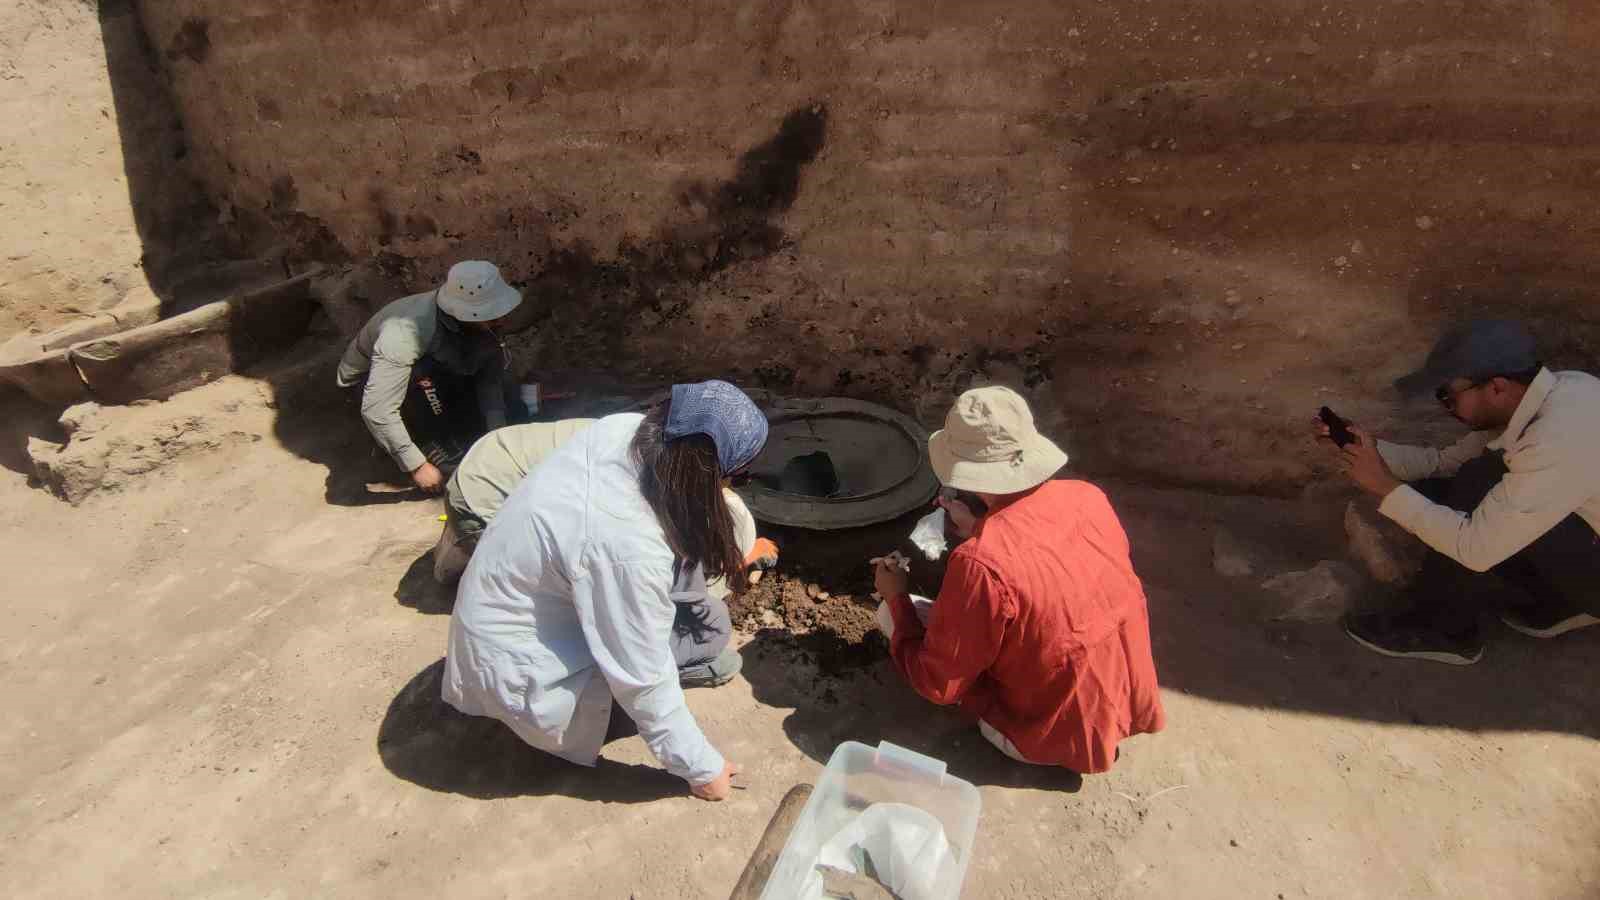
1041	630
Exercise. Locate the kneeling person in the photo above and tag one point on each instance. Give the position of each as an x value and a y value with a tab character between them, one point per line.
568	606
1040	630
501	459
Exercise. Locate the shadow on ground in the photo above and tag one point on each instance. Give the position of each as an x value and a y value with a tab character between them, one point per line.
835	701
1211	641
420	591
23	418
428	743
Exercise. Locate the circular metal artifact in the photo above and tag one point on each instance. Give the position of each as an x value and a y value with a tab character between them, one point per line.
833	463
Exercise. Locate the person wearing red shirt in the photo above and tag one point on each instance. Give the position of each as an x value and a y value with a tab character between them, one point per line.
1040	630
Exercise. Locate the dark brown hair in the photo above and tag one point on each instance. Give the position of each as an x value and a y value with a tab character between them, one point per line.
681	482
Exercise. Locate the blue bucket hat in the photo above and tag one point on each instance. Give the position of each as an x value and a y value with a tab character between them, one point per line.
722	412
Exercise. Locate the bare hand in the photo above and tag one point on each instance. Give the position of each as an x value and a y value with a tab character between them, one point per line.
428	478
1365	466
961	518
718	788
889	580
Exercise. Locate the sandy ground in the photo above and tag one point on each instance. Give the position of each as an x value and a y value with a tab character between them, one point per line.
224	685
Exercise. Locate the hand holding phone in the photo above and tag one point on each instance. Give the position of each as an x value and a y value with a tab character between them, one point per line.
1338	429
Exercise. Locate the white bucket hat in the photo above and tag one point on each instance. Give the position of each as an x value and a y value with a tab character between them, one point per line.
475	292
989	445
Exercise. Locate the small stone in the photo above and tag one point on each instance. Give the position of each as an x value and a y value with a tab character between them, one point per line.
1229	557
1425	223
1321	593
1232	842
813	589
1357	248
823	595
1389	554
1341	261
755	577
1238	347
1231	297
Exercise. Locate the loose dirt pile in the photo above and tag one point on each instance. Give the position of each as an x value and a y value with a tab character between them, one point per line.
836	631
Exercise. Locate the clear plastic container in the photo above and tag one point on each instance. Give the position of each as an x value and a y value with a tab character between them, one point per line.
858	776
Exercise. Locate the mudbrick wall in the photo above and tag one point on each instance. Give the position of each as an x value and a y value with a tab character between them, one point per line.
1179	226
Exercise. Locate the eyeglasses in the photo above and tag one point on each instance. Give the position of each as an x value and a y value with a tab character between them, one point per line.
1448	398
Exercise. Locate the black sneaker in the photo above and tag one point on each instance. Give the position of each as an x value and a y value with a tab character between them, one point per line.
1385	635
1544	624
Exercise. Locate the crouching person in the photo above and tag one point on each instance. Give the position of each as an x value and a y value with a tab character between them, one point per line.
431	371
501	459
568	605
1040	630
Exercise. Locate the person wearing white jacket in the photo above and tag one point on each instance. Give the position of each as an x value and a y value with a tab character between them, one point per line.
568	603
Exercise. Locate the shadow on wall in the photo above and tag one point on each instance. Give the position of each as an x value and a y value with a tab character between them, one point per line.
590	302
427	742
715	225
175	220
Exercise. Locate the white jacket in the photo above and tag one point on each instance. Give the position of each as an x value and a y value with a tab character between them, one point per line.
565	605
1552	452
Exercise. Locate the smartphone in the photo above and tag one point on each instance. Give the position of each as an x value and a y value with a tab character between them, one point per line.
1338	429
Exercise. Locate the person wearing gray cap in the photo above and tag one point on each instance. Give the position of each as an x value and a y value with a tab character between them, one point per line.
587	593
434	371
1519	497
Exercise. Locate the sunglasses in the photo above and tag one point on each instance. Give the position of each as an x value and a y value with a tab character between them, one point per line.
1448	398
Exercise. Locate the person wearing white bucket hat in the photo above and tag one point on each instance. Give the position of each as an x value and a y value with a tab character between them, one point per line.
1040	630
434	371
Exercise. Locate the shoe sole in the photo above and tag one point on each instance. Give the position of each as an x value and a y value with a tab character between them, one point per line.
1438	656
1582	620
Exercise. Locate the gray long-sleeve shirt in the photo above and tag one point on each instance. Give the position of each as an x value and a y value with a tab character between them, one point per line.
392	342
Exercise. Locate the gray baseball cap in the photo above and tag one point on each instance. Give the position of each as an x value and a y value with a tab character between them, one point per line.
1476	350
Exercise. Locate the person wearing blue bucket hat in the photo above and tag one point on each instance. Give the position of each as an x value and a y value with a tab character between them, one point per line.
1518	497
587	594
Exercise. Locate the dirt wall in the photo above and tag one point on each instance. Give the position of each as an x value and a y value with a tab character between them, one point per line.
1179	226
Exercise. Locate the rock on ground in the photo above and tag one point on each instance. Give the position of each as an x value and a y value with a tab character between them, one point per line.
1390	553
1322	593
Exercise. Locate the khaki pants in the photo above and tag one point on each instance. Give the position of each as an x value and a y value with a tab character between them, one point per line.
456	542
924	608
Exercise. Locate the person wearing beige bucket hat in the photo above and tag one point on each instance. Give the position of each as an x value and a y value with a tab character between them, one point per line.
434	371
1041	630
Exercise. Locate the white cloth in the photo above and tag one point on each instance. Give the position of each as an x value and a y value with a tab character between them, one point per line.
565	605
744	532
1551	446
907	847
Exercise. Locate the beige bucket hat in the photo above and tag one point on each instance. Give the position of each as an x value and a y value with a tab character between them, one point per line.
474	291
989	444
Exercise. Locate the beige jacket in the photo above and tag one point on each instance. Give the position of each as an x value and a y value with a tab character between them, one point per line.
1552	453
